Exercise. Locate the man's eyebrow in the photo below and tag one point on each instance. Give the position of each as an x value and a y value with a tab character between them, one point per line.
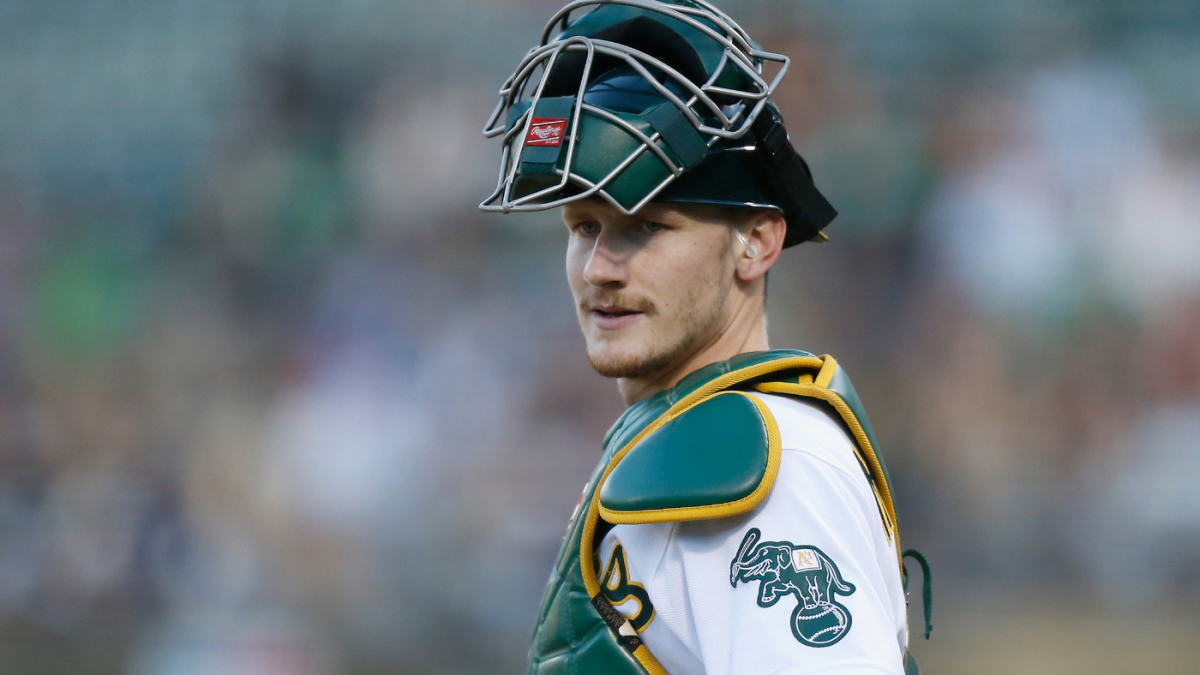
578	216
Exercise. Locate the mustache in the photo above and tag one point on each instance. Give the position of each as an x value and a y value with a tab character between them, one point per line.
596	298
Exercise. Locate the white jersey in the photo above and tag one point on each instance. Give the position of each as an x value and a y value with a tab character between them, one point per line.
808	582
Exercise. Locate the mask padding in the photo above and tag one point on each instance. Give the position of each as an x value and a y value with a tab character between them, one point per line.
643	34
623	89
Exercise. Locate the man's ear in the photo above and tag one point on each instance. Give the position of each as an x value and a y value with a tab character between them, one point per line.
762	242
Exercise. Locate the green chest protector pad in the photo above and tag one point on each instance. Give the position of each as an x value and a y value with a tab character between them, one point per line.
707	448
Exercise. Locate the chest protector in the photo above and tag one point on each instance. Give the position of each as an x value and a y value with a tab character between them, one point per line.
578	631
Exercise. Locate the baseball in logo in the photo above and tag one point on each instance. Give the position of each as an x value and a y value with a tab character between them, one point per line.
546	132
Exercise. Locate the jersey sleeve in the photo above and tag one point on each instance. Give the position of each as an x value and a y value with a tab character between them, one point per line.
807	583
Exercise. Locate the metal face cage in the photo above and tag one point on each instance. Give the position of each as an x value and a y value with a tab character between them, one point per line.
541	164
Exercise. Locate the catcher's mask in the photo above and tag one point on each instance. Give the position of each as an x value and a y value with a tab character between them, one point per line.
640	100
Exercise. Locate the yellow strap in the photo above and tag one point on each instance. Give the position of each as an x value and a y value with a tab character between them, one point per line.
879	478
827	370
648	661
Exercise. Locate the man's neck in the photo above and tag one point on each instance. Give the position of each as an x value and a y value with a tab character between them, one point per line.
747	335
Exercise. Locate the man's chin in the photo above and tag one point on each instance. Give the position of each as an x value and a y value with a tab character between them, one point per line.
631	364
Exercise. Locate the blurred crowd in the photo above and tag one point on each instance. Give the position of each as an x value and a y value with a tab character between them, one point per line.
276	398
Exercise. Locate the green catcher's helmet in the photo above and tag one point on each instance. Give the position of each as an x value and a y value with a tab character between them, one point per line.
640	100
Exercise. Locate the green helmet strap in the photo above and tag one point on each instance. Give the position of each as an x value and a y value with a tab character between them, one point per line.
551	117
679	135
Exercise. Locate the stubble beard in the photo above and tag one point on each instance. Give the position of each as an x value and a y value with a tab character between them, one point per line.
699	327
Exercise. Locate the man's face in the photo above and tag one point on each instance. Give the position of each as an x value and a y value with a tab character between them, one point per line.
651	289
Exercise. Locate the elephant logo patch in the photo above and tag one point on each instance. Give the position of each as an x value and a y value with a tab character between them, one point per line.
783	568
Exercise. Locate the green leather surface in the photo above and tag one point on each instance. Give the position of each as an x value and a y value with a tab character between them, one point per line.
714	453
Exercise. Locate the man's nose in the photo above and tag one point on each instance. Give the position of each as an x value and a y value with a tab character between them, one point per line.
606	265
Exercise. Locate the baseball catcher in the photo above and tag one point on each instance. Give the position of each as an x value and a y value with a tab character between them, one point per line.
740	521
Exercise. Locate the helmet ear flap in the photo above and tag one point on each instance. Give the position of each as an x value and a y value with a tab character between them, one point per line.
806	209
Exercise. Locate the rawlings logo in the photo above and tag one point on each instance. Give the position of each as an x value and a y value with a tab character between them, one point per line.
783	568
546	132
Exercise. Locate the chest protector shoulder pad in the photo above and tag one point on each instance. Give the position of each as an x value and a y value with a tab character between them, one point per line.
716	459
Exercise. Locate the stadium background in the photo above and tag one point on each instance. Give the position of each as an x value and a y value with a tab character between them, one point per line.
276	399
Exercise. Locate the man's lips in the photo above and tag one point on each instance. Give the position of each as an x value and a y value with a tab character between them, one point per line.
611	317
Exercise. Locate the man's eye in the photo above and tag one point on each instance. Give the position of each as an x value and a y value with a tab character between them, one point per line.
589	227
651	226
